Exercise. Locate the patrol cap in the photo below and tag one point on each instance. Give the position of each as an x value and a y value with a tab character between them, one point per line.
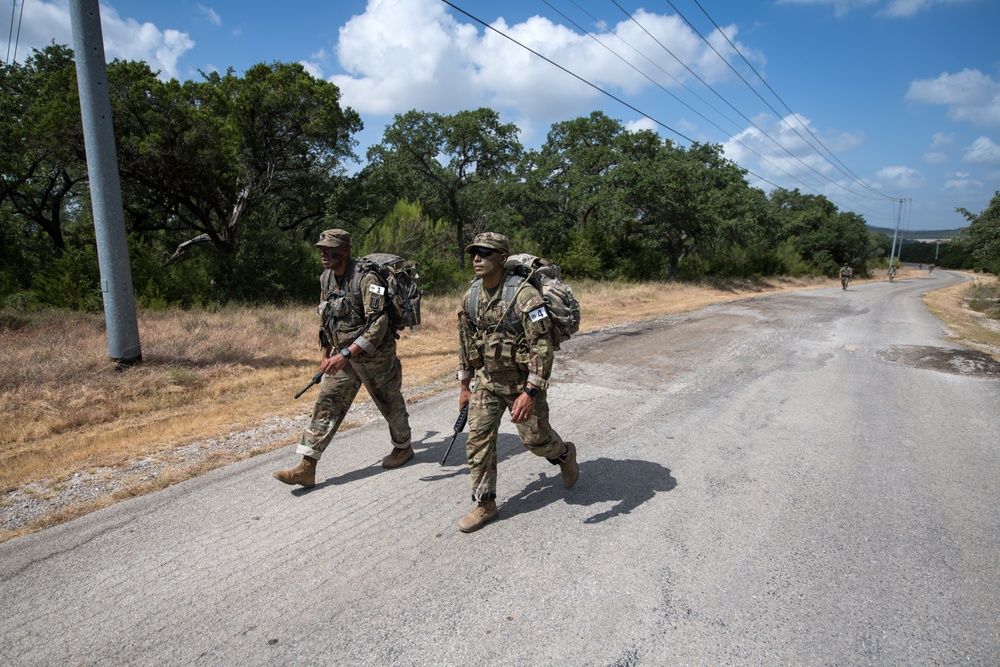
490	240
334	238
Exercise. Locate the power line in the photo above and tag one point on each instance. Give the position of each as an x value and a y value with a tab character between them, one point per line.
846	171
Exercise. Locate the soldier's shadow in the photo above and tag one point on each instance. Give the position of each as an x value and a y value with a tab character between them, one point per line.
628	483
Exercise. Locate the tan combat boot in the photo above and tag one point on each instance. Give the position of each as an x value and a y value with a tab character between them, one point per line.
303	474
485	512
397	457
568	467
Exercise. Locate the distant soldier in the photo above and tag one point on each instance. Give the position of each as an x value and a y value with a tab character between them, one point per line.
892	273
359	347
505	357
846	275
930	269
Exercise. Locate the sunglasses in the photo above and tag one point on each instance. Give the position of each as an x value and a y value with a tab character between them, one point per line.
485	253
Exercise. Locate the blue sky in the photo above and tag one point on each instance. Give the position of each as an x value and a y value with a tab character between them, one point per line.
888	98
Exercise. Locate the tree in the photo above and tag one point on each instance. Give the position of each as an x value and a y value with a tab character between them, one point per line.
984	233
198	158
440	160
42	158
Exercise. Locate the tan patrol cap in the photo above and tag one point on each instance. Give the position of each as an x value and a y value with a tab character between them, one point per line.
490	240
334	238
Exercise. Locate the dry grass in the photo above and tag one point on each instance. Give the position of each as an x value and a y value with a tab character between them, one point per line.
965	325
205	374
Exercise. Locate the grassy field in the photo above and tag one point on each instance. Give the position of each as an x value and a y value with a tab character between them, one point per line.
67	410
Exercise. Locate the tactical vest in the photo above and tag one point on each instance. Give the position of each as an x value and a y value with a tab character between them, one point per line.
498	345
341	310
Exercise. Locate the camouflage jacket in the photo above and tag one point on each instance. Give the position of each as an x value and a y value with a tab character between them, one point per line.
505	347
349	304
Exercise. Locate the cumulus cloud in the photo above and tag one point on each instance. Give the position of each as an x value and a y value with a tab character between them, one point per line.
961	181
901	178
413	54
982	151
934	157
46	21
969	95
886	8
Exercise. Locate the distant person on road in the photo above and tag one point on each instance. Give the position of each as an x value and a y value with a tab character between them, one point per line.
359	347
505	357
846	275
892	273
930	269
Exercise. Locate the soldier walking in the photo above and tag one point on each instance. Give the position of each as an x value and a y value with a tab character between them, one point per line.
359	347
505	359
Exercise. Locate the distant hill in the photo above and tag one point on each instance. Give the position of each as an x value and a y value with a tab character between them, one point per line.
919	234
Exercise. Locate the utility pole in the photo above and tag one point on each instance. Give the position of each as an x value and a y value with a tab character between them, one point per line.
105	186
893	255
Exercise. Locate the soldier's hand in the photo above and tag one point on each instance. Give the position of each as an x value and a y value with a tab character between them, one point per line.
334	364
524	407
464	395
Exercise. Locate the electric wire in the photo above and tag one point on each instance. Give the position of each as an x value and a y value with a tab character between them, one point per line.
742	115
660	86
846	170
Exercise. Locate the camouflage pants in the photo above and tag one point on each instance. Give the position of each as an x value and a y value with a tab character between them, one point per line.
382	375
485	410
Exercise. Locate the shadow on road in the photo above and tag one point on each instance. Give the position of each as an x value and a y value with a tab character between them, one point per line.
627	483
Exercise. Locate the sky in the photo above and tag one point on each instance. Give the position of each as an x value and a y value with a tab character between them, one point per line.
890	108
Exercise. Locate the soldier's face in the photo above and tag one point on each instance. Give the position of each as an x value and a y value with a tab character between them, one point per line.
487	262
333	258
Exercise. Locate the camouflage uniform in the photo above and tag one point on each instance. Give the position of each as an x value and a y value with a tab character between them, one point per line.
500	360
344	313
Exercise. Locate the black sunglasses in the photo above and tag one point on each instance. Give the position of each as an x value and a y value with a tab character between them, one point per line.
485	253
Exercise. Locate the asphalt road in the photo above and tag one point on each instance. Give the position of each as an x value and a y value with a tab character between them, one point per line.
798	479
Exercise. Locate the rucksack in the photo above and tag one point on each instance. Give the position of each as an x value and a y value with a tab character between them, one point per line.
545	276
402	299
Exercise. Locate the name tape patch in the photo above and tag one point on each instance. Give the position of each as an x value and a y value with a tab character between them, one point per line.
538	314
378	289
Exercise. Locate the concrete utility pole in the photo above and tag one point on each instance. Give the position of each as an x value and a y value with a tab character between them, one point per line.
105	186
892	254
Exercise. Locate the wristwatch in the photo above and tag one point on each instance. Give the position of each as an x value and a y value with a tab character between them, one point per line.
531	391
346	353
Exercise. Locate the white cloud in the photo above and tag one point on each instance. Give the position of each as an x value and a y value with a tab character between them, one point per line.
900	178
887	8
210	15
933	157
969	95
641	124
46	21
982	151
961	181
793	162
403	54
941	139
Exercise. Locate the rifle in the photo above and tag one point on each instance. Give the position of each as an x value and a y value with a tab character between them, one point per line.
316	380
463	416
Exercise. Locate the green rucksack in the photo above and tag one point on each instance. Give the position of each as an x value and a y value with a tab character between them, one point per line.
402	299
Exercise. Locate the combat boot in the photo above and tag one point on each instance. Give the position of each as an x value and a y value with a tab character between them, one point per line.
397	457
485	512
568	467
303	474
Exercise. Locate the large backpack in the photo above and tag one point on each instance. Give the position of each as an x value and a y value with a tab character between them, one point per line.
402	297
545	276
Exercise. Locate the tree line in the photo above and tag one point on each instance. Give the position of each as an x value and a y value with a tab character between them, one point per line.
227	181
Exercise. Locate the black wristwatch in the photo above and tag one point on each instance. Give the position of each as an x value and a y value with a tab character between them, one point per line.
346	353
531	391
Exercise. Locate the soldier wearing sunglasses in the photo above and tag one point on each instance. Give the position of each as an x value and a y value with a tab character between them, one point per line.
505	359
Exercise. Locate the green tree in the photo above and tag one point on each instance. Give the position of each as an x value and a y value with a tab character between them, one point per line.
42	159
983	233
443	161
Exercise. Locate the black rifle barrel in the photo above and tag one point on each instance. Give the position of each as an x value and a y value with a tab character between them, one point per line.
463	417
316	380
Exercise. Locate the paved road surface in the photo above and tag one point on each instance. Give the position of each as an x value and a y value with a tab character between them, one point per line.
807	478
